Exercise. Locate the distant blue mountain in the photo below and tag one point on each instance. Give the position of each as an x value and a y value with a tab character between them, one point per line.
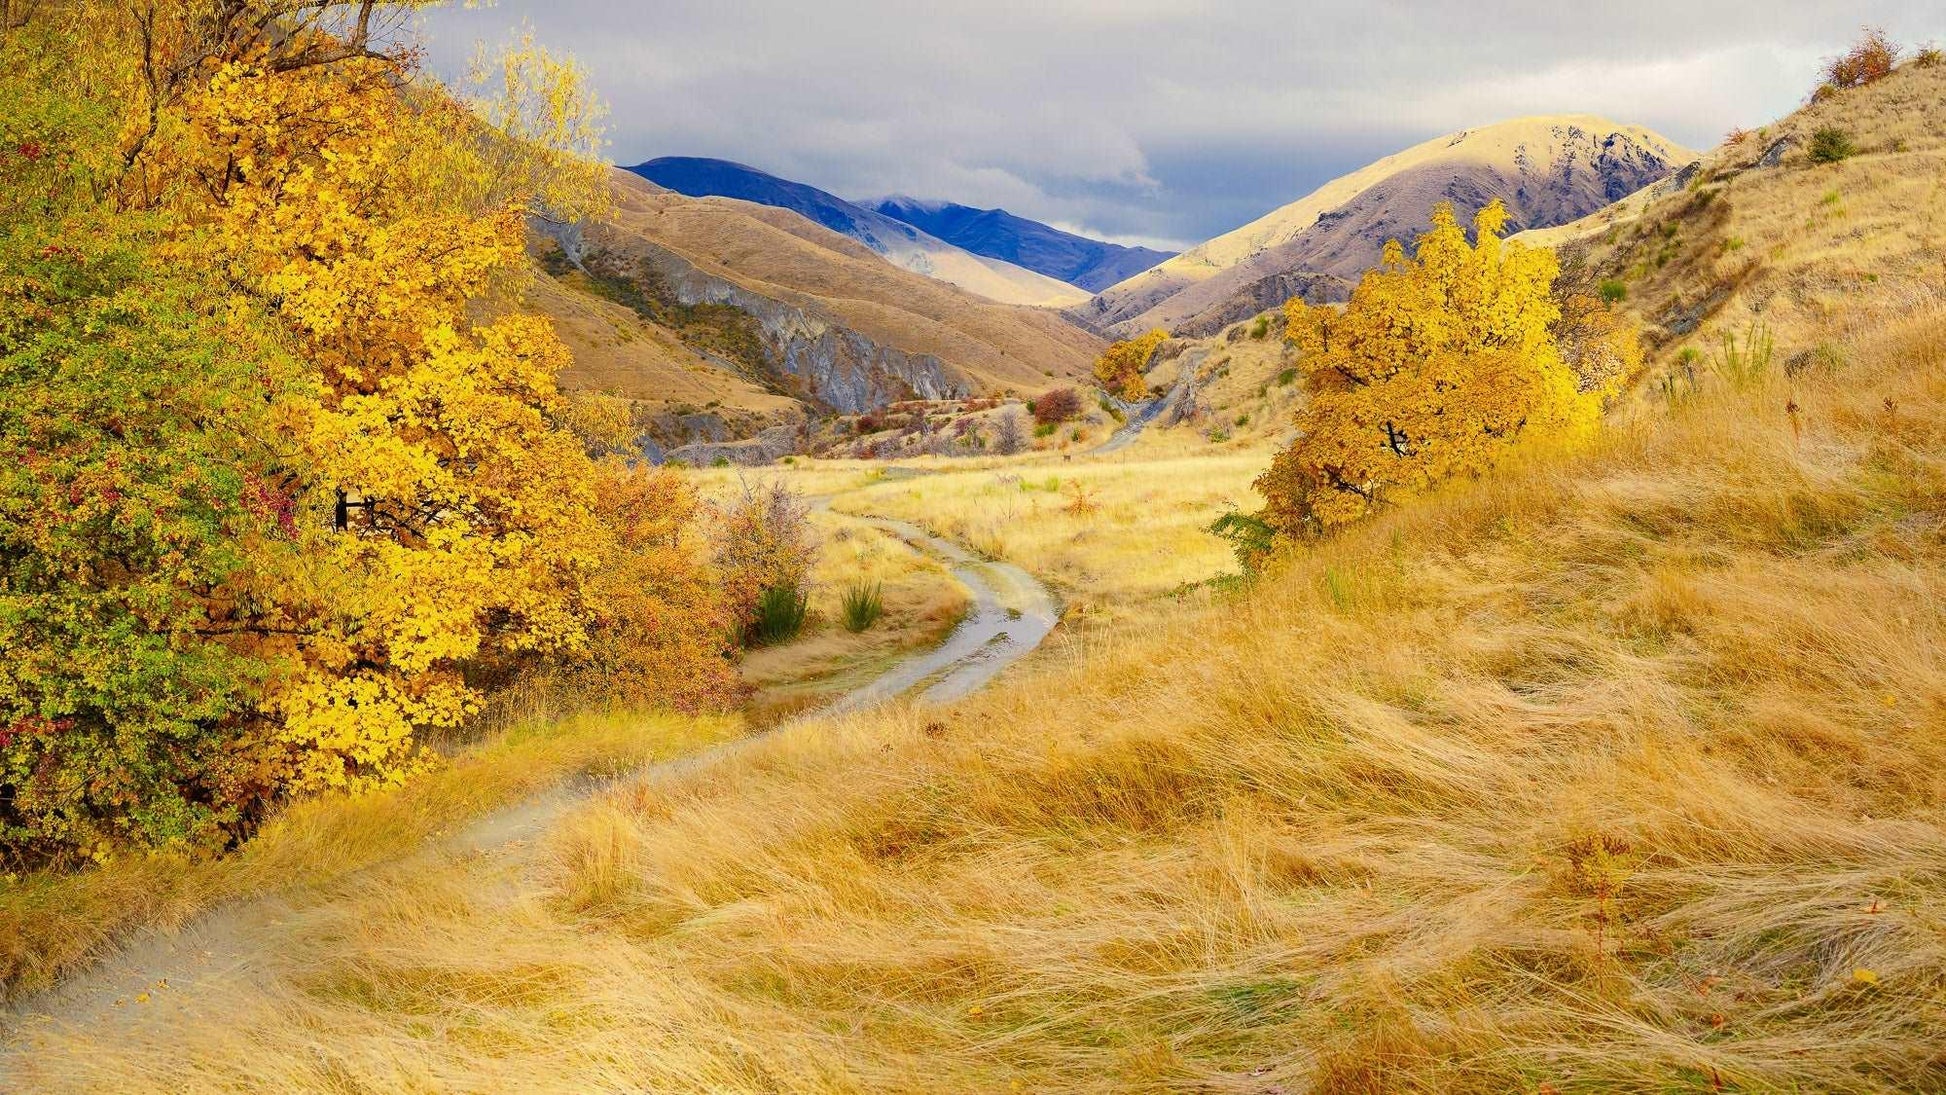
705	178
900	243
1090	264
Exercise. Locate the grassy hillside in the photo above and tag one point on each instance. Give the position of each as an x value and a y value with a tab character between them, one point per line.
1620	772
1764	235
778	254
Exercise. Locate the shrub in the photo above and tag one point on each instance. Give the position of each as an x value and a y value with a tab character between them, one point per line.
720	462
863	604
1260	328
779	616
1613	291
1056	406
1007	433
1929	56
1439	366
1831	144
1286	378
1746	365
1046	429
1872	59
764	541
1250	538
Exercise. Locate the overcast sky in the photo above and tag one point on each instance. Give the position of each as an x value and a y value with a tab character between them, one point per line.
1160	121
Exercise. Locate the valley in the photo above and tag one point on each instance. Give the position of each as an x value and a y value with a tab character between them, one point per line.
1480	626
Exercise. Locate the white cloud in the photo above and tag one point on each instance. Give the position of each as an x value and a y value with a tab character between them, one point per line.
1165	120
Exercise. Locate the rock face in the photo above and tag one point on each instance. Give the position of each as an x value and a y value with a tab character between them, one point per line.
1087	263
789	310
823	362
767	447
1549	171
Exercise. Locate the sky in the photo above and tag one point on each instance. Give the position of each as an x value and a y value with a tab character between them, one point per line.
1162	122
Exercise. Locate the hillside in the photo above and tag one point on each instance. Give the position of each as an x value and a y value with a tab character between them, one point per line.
831	322
1761	240
1549	170
1082	262
900	243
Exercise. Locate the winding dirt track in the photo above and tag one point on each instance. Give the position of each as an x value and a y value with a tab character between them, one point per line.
1012	612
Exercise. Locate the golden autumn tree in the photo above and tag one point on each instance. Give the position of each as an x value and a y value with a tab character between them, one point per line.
342	493
1121	365
1438	366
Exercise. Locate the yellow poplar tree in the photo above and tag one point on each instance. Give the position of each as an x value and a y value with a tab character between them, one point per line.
1121	365
1437	367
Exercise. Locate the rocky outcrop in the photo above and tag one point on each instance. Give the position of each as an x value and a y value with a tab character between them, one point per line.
1270	291
805	350
767	447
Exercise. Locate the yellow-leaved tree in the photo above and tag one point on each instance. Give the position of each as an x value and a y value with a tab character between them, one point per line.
1121	365
284	452
1438	366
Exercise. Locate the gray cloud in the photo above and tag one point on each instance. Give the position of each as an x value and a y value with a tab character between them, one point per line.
1154	120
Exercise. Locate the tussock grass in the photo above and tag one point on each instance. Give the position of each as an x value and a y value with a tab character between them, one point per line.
53	923
1623	772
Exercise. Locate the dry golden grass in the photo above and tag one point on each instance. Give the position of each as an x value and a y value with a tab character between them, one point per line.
1621	773
52	923
1107	532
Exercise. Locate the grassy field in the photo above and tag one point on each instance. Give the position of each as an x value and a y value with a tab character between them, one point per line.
1109	534
1619	773
50	924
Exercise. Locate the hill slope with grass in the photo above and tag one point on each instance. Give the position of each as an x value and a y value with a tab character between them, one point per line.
802	311
1549	170
899	242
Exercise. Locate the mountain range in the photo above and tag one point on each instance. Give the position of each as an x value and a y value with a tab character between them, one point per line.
1090	264
743	302
1550	170
898	242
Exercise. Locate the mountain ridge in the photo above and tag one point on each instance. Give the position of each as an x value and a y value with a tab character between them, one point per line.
1550	169
838	326
894	240
1078	260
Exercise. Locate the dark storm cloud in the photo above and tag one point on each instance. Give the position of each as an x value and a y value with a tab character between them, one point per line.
1157	121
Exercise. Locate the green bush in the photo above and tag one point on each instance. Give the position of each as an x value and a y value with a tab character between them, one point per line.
1285	378
1260	328
1614	291
864	603
1746	365
129	479
1831	144
780	615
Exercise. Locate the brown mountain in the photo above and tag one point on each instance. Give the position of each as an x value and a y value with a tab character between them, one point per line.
1550	170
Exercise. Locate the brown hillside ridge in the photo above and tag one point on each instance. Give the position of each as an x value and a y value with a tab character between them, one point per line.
1549	170
1759	238
841	328
620	352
